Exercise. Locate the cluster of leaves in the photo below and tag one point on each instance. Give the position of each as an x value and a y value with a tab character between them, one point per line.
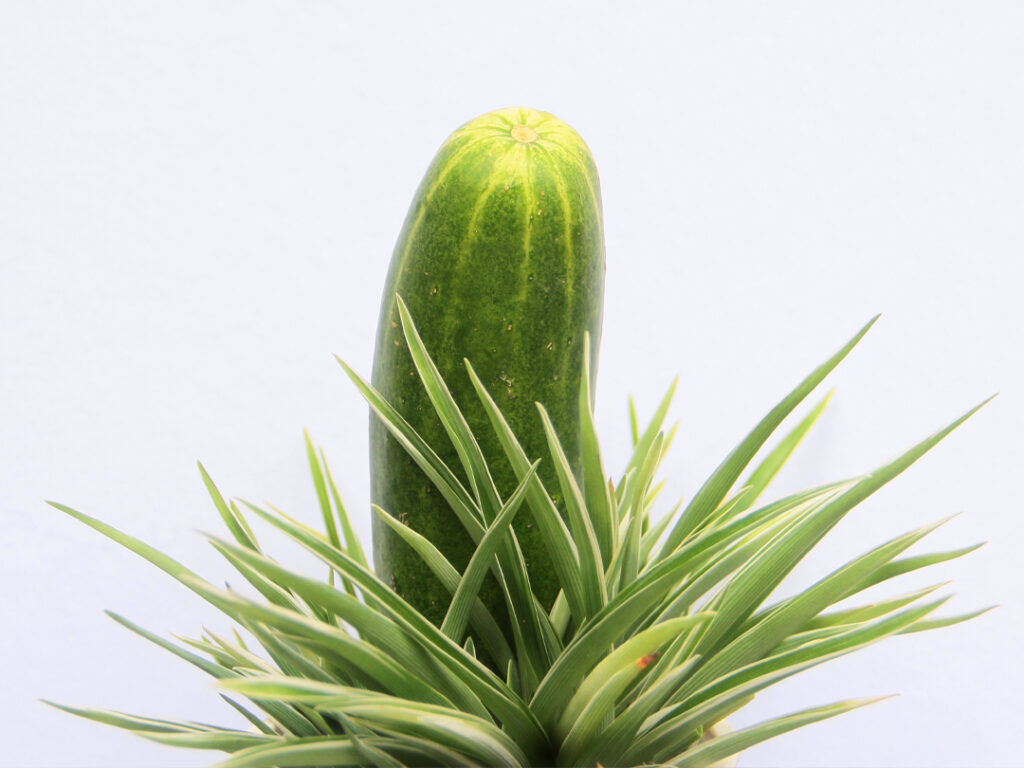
663	626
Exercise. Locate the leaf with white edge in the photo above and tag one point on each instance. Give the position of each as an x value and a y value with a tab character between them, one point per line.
595	702
320	484
598	501
867	612
288	718
721	747
480	618
642	444
454	423
765	472
210	667
271	591
352	543
465	733
908	564
565	676
611	743
362	660
629	562
653	535
533	641
515	716
634	655
717	552
946	621
793	613
337	751
724	477
455	620
587	545
256	721
376	631
458	498
221	741
590	721
374	756
465	508
132	722
756	581
167	564
317	752
290	657
473	738
173	732
236	525
556	536
719	693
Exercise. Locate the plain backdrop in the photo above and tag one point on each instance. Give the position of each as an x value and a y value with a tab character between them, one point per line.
198	202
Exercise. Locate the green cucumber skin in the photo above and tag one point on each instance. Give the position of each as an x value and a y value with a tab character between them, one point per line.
501	262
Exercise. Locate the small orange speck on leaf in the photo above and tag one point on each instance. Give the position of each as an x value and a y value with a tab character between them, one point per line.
645	661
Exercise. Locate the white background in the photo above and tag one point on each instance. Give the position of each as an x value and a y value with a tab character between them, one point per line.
198	201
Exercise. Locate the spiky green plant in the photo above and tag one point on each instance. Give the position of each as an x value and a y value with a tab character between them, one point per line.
663	626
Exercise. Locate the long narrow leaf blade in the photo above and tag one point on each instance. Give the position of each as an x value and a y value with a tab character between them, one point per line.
776	459
724	477
721	747
587	545
595	479
455	620
510	708
241	534
564	557
760	577
480	618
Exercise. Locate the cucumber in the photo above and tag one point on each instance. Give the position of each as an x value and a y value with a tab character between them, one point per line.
501	262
